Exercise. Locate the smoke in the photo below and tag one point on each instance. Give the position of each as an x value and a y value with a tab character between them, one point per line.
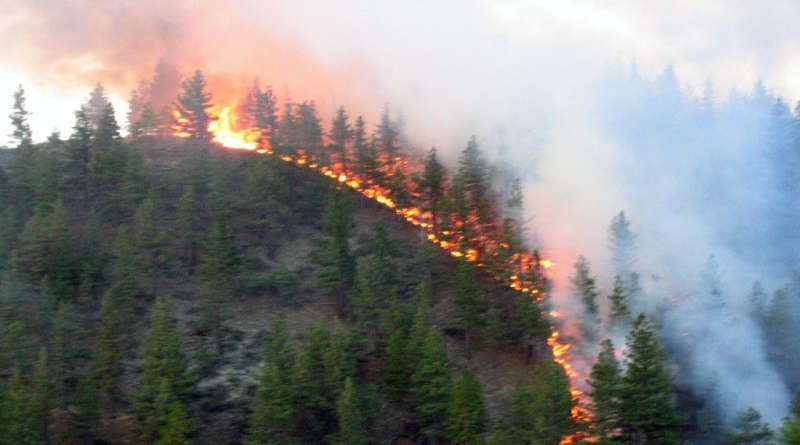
539	83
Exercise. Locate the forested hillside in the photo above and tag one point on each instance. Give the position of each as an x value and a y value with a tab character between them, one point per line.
160	288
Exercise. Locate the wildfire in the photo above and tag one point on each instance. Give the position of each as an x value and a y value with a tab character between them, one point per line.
223	132
523	265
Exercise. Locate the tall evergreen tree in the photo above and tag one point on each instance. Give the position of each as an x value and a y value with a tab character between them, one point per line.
430	386
192	107
19	119
584	288
350	416
620	316
469	302
339	266
647	412
748	429
540	411
604	384
467	418
274	407
387	137
431	187
260	114
341	135
164	368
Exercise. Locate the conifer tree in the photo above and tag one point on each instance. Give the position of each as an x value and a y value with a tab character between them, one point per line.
470	304
310	130
540	411
431	187
339	265
620	316
748	429
45	398
430	386
96	105
192	107
315	402
19	119
466	421
647	413
260	114
190	223
387	137
789	433
78	153
350	416
584	288
164	367
150	238
473	176
605	382
341	135
20	422
368	163
274	408
83	423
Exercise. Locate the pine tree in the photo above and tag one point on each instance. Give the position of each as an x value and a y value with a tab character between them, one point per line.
341	135
315	402
368	163
310	130
605	382
163	363
431	187
469	302
467	419
430	386
647	413
473	176
192	107
96	105
749	430
78	153
339	265
150	238
540	411
789	433
19	120
350	416
274	407
585	289
620	316
45	399
176	427
21	421
191	225
83	424
387	137
260	114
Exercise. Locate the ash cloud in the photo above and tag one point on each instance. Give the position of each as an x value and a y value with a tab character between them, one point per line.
697	175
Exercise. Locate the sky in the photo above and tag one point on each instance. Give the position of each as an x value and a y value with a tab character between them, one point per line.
521	75
456	58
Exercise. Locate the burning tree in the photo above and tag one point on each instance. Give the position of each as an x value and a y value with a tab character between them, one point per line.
191	109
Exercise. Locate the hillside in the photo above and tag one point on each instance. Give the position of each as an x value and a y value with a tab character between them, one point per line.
233	241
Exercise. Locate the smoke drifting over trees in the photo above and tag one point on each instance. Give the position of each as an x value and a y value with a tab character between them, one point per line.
696	171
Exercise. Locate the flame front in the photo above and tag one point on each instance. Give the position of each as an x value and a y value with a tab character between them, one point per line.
522	265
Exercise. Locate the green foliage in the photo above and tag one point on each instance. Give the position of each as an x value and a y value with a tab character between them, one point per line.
20	414
350	416
647	413
467	420
541	411
584	287
260	114
164	368
338	262
469	302
605	381
620	315
431	186
192	107
274	406
749	430
19	119
341	135
430	385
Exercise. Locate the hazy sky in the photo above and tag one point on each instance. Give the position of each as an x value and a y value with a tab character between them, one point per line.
455	58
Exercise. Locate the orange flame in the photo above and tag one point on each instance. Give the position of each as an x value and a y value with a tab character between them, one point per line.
223	132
